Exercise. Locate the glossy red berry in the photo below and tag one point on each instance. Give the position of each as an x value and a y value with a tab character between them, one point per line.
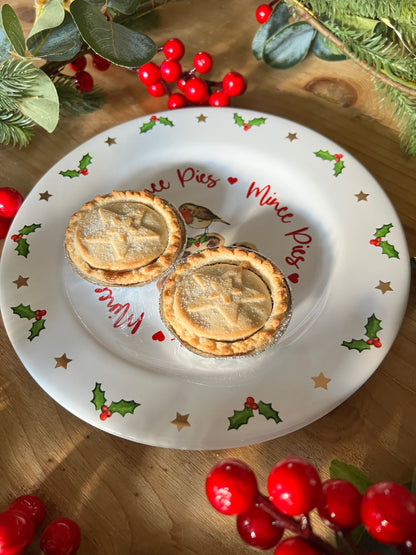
202	62
83	81
256	528
5	224
79	64
234	84
294	486
181	83
295	546
10	202
388	512
170	70
100	63
16	532
196	89
61	536
219	98
231	486
339	504
263	13
149	73
31	505
173	49
177	100
158	89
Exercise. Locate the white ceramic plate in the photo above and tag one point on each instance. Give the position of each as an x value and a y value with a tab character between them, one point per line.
295	195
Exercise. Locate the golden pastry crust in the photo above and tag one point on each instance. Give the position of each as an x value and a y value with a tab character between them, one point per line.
225	302
124	238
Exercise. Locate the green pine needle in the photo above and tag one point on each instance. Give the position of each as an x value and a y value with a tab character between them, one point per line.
72	101
15	129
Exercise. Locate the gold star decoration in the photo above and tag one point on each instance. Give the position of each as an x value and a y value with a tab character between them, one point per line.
321	381
201	117
361	196
181	421
45	196
110	141
63	361
292	136
384	286
21	281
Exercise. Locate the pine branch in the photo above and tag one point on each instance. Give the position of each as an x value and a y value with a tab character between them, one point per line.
15	77
74	102
15	129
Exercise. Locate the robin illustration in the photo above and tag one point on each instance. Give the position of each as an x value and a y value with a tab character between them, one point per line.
198	217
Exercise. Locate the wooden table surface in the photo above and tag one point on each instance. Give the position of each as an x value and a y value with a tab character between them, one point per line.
135	499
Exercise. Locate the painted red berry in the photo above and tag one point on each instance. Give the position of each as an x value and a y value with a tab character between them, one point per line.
103	416
377	343
219	98
83	81
231	486
339	504
173	49
202	62
79	64
170	70
246	127
294	486
61	536
149	73
256	528
16	532
263	13
250	400
158	89
370	341
100	63
196	89
177	100
295	546
10	202
31	505
234	84
388	512
373	242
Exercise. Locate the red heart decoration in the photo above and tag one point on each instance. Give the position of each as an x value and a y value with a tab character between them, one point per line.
158	336
232	180
294	278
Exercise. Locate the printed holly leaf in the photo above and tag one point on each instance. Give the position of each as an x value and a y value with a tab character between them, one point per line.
36	328
268	412
383	230
388	249
240	417
238	120
98	399
22	247
147	126
358	344
85	161
24	311
166	121
257	121
29	229
325	155
69	173
338	167
123	407
373	327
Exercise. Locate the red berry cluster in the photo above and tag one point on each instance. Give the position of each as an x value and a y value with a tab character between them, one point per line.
192	88
23	517
10	202
376	242
83	79
105	413
386	509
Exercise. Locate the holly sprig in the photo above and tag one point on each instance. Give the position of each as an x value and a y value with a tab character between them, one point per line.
373	327
147	126
100	402
386	248
22	247
246	125
25	311
85	161
336	158
241	417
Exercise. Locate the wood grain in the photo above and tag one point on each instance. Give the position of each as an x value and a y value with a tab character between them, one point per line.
134	499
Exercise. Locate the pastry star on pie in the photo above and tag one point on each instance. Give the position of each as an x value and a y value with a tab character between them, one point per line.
225	302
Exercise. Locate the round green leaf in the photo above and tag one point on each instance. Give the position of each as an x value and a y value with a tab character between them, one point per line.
50	16
13	30
5	45
112	41
278	19
59	44
326	50
41	103
126	7
289	46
